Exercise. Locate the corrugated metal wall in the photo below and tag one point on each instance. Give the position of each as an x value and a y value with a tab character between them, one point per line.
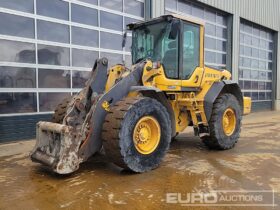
263	12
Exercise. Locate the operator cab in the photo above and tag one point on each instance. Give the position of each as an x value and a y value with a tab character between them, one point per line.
173	40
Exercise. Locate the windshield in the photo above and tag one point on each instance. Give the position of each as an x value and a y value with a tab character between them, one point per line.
153	42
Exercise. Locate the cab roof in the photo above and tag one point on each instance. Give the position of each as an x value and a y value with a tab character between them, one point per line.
189	19
167	17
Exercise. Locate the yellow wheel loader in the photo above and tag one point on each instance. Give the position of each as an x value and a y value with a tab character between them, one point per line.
133	113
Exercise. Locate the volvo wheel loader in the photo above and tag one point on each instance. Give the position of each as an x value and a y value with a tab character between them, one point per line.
133	113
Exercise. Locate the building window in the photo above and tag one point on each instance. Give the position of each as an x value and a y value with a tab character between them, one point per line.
113	58
54	8
216	29
50	50
255	63
116	41
16	25
52	78
112	4
134	7
83	58
52	31
111	21
17	77
23	6
14	51
83	36
17	103
128	20
49	101
53	55
79	78
84	15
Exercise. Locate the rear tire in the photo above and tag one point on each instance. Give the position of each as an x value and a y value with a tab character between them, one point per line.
122	122
224	133
60	110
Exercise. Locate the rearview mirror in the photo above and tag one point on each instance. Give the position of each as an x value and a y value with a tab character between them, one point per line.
124	39
175	26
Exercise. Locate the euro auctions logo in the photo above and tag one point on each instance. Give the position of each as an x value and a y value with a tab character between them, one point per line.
223	198
192	198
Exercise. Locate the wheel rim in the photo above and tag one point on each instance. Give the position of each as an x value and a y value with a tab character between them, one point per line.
229	121
146	135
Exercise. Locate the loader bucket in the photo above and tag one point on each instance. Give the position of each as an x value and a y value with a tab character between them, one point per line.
56	147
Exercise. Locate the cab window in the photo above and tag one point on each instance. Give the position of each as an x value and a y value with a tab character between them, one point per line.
153	41
191	46
171	57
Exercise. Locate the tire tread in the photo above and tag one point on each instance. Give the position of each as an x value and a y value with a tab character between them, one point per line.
214	140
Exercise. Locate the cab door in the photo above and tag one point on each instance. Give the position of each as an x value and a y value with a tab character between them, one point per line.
192	65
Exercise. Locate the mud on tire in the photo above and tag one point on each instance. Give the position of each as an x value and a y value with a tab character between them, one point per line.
118	128
218	139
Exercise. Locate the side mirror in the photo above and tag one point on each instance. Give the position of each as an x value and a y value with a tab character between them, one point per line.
175	26
124	39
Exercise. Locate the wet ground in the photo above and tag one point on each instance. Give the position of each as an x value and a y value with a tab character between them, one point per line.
254	164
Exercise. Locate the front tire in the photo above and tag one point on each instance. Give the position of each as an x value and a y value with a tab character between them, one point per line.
224	124
137	133
60	110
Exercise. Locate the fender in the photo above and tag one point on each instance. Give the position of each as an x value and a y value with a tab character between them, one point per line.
159	95
144	88
225	86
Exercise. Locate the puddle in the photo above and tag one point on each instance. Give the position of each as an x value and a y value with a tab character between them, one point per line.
189	166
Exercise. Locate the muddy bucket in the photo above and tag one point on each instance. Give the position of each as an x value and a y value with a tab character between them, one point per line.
56	147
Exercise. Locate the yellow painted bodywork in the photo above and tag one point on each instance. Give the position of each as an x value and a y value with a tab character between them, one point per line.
247	103
106	106
184	102
115	72
186	105
157	78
